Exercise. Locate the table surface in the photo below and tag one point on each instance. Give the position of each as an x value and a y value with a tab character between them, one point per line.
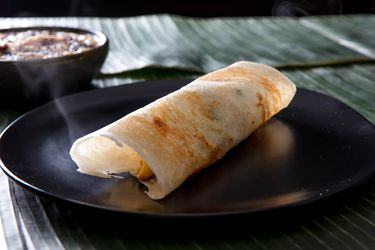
334	55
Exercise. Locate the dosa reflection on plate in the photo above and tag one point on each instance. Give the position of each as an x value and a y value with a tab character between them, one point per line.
176	136
265	152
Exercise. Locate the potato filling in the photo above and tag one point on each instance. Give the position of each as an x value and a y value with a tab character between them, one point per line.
145	172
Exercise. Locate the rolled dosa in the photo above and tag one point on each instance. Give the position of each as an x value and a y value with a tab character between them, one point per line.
174	137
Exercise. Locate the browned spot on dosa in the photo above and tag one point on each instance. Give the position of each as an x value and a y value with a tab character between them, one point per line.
272	90
201	108
233	73
180	138
160	125
214	155
259	99
263	107
198	111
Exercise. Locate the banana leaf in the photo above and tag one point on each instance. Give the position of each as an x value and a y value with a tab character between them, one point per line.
202	45
310	51
355	33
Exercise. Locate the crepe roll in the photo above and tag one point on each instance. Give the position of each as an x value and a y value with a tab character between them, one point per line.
167	141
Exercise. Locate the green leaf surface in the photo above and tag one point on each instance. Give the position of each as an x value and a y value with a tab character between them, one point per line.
332	55
355	33
202	45
354	85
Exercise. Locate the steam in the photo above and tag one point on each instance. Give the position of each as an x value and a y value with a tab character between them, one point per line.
40	85
36	81
73	128
306	7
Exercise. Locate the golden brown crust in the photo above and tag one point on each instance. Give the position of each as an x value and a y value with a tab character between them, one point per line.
233	73
191	128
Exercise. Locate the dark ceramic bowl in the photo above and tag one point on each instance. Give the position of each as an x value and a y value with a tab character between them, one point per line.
31	82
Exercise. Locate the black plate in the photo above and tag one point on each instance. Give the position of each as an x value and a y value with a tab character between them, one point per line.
314	148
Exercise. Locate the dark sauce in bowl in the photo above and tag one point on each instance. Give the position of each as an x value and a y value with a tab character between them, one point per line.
43	44
41	63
